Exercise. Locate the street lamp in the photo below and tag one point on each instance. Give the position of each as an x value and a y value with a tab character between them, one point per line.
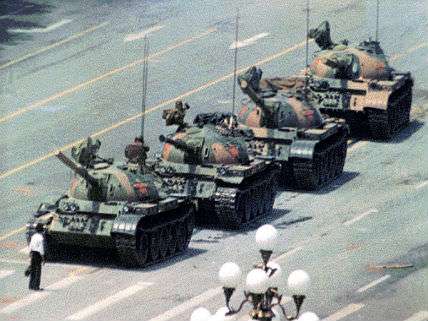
261	287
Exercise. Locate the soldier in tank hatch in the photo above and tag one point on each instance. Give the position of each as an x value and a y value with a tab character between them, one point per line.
175	116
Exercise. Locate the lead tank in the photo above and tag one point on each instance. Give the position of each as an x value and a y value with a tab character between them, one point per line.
358	84
209	162
121	206
290	131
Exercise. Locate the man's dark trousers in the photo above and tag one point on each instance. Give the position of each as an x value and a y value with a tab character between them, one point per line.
36	270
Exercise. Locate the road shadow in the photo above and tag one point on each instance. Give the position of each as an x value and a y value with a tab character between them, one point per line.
343	179
101	258
12	14
250	227
407	132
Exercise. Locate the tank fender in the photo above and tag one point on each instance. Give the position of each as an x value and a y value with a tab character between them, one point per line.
376	98
303	149
126	224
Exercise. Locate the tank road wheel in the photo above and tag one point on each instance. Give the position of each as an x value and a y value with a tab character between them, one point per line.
164	242
155	242
142	253
181	237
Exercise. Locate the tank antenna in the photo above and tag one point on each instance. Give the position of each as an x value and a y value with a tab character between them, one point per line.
235	61
145	75
377	20
307	43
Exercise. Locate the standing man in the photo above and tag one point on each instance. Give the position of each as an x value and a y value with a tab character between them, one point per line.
37	252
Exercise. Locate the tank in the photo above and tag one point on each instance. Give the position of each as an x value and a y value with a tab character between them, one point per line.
290	131
210	163
120	206
358	84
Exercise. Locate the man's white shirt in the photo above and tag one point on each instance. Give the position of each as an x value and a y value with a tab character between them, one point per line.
37	244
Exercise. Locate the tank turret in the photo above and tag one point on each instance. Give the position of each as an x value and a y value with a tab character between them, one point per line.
208	144
342	61
273	108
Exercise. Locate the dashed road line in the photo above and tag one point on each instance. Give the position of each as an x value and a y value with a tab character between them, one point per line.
373	284
49	28
419	316
110	73
359	217
356	145
194	302
36	296
109	301
421	185
6	273
142	34
11	233
342	313
249	41
288	253
54	45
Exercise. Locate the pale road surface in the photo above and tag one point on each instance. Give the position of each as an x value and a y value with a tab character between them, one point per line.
71	70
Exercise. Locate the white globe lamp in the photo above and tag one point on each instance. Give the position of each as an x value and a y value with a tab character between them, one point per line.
257	281
201	314
266	238
308	316
274	278
299	282
230	275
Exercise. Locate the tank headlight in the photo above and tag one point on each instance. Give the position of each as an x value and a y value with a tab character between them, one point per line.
222	171
125	209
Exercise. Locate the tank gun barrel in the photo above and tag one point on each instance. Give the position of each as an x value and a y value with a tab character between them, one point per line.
178	144
79	170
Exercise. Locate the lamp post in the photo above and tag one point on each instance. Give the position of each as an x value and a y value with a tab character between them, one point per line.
261	287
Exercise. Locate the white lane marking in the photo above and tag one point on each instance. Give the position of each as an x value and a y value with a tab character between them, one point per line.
107	302
6	273
25	250
357	145
36	296
49	28
249	41
180	309
419	316
421	185
374	283
142	34
349	309
288	253
359	217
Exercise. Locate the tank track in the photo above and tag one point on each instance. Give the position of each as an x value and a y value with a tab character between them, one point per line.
236	207
383	124
156	242
326	165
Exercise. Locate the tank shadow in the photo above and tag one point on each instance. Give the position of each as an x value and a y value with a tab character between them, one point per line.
276	214
101	258
407	132
346	177
10	10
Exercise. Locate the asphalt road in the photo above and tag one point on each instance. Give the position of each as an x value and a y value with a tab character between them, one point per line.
74	70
